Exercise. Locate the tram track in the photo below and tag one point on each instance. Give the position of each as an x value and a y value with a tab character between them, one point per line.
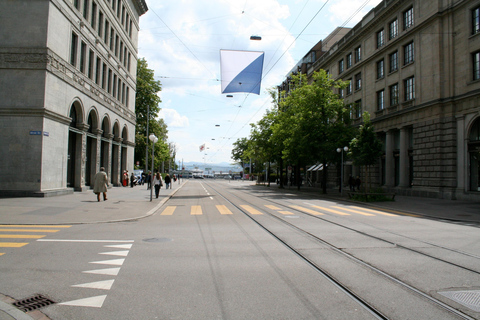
361	301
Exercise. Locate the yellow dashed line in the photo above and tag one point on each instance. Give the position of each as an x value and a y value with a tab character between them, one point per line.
223	209
168	211
20	236
272	207
1	254
307	210
251	210
12	244
356	211
28	230
31	226
286	212
332	211
196	210
376	211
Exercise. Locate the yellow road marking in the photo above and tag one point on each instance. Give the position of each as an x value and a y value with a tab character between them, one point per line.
307	210
12	244
28	230
286	212
332	211
272	207
356	211
31	226
196	210
251	210
1	254
223	209
20	236
369	210
168	211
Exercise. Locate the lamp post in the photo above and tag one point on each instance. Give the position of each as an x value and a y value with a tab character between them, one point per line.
154	140
341	150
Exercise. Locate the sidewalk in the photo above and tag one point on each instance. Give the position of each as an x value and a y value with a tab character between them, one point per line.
124	203
452	210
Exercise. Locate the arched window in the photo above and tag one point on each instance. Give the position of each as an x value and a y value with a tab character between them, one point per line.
73	115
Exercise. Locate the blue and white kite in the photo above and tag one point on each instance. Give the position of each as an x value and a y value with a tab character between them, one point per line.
241	71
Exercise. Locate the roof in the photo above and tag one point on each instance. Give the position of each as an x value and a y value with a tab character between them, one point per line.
141	6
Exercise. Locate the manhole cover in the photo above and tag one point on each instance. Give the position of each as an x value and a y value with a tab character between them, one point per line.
33	303
469	299
157	240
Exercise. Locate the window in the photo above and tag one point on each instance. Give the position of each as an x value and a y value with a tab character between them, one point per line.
73	50
76	4
97	71
83	56
408	19
394	95
340	66
114	89
349	87
109	82
358	81
128	62
340	93
476	20
93	20
86	6
380	38
128	96
476	65
100	23
105	36
409	89
408	53
357	112
349	60
112	37
358	54
380	69
104	76
380	100
90	64
394	61
393	29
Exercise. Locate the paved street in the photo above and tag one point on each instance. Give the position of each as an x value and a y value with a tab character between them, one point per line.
218	249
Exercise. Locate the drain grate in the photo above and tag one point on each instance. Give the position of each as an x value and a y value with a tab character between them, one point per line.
469	299
33	303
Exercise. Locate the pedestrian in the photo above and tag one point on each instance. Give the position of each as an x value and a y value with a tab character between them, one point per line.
100	183
149	180
132	180
351	183
124	178
168	180
157	182
357	183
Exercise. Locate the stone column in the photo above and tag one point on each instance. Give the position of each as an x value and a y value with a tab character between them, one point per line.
404	172
99	133
81	157
107	155
462	160
389	160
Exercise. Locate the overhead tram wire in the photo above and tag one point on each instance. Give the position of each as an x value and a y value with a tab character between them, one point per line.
183	43
301	32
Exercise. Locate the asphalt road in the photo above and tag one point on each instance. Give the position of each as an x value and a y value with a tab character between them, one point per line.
227	250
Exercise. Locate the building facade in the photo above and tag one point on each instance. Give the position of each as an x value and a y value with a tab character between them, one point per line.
67	93
415	67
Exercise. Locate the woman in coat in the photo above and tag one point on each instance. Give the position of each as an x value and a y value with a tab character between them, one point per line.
157	182
100	183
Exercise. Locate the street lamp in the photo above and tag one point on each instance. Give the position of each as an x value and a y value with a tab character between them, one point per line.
341	175
154	140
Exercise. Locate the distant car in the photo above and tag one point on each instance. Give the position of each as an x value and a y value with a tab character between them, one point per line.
197	177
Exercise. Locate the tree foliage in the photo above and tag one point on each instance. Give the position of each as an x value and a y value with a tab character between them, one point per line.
147	107
366	147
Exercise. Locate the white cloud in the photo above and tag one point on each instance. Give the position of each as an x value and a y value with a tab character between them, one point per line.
173	119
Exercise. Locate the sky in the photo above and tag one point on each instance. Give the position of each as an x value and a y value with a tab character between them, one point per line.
181	41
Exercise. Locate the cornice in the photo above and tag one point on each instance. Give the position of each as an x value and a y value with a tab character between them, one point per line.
141	6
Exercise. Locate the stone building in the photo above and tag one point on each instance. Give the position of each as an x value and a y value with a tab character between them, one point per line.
67	93
415	67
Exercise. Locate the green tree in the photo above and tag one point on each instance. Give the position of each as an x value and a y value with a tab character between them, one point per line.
366	147
313	120
147	106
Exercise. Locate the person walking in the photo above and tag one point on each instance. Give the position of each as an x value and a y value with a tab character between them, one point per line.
168	180
358	182
157	182
132	180
100	183
149	180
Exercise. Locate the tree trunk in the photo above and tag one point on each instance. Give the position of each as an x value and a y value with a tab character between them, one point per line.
324	178
281	173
